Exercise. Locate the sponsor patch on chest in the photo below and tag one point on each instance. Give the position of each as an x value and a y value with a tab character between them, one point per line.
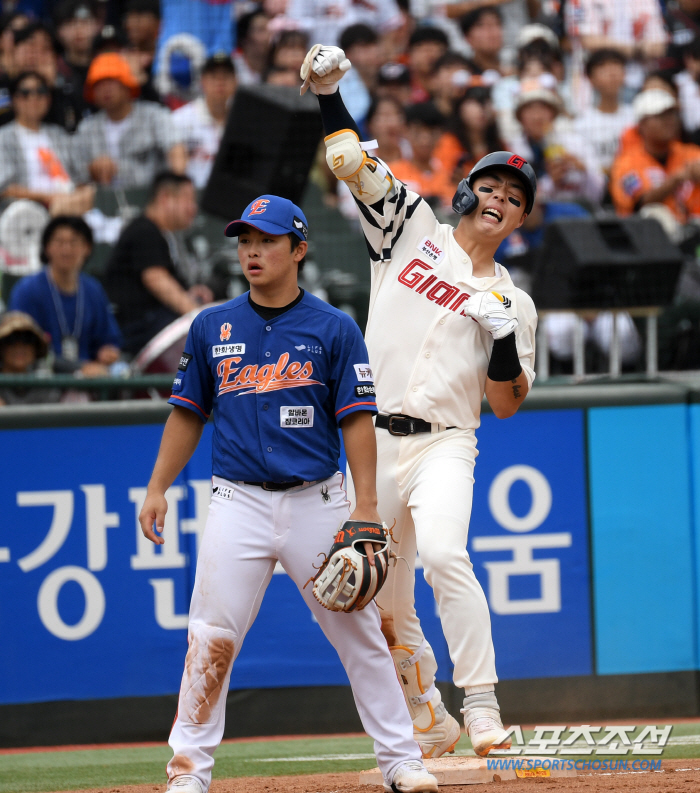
296	416
431	249
219	350
222	491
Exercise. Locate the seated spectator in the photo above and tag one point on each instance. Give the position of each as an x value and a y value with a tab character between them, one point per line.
201	122
386	123
394	80
35	49
281	75
659	168
604	123
423	173
471	134
76	28
70	306
482	29
35	158
324	21
688	82
289	50
141	23
253	46
147	286
22	347
128	141
563	160
452	74
361	45
425	48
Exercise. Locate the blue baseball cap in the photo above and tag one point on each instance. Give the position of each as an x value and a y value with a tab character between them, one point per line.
272	214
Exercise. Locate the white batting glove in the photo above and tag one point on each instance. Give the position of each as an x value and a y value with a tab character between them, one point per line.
322	69
489	310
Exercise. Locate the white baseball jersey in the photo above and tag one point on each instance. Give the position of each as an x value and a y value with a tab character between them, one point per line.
428	356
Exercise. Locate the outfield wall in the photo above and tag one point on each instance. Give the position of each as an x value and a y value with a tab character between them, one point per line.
586	509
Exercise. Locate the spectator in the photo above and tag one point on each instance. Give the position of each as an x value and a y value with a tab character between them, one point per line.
35	158
289	51
141	24
22	346
36	49
482	29
70	306
563	160
452	74
682	18
394	80
252	52
688	82
471	134
281	75
604	123
324	21
201	122
425	48
76	28
386	123
659	169
361	45
128	141
147	285
423	173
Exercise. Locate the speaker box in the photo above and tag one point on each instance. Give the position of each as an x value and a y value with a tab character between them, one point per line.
268	146
605	263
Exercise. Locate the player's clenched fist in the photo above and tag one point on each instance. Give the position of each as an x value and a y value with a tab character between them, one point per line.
153	514
488	309
322	69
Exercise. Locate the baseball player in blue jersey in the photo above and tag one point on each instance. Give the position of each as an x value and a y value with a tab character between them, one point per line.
280	370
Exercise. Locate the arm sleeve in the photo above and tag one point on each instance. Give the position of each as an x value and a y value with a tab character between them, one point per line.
353	382
335	115
193	386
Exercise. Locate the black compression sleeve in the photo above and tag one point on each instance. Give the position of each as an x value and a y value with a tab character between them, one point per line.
335	115
504	364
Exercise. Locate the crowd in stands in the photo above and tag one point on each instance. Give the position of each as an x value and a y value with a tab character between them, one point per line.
603	99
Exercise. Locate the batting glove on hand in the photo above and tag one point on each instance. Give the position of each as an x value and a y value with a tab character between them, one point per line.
488	309
323	68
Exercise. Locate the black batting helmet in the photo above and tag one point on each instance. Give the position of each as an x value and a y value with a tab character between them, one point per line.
465	201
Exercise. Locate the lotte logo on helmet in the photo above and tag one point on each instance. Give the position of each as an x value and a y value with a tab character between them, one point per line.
516	161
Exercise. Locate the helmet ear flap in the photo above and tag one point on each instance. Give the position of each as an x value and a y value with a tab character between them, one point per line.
464	201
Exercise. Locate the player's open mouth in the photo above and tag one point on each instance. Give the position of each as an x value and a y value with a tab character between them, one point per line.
254	268
493	212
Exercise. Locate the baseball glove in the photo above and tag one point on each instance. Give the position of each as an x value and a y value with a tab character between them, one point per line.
346	581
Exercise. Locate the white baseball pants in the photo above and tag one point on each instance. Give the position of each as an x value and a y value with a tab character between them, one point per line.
425	483
244	537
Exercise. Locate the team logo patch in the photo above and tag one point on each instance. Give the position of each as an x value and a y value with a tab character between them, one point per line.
301	226
225	333
259	206
185	359
363	371
516	161
254	379
219	350
222	491
631	183
297	416
430	249
365	390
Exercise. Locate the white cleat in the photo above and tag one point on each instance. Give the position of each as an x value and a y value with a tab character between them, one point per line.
412	777
186	784
441	738
486	731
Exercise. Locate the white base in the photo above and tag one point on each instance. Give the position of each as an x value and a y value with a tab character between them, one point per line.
471	771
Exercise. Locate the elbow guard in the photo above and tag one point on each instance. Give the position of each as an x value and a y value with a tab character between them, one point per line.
367	180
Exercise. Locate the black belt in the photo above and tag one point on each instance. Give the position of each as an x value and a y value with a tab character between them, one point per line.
277	485
403	425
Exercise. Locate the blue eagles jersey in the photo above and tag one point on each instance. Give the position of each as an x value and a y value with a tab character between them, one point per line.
278	387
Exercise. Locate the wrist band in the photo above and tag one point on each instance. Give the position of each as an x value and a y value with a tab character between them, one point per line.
504	364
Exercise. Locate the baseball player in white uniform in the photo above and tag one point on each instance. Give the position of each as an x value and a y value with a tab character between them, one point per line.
281	370
446	325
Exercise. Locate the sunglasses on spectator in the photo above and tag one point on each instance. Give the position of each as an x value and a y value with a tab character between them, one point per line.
25	93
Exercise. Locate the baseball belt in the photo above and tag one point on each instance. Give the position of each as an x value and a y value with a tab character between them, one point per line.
278	485
403	425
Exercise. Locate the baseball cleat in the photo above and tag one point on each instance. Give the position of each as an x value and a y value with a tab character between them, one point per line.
186	784
441	738
486	731
412	777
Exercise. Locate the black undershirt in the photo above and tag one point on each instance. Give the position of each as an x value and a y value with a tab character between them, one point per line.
269	312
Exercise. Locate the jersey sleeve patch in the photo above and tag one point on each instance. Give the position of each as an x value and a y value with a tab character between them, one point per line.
185	359
363	371
365	390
